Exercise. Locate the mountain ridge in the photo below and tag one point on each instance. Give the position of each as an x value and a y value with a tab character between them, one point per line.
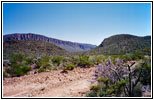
67	45
122	44
32	48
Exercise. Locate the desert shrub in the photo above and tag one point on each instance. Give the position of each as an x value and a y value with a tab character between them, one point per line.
127	57
29	60
22	70
17	58
139	55
113	59
18	70
5	74
75	60
69	67
147	51
44	61
97	59
57	60
52	68
18	65
84	61
146	73
91	94
105	88
41	70
137	90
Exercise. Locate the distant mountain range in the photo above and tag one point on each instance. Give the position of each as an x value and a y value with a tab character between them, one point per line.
122	44
114	45
67	45
32	48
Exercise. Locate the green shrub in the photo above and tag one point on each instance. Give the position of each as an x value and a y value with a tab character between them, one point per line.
127	57
41	70
113	59
106	88
75	60
5	74
147	51
57	60
52	68
137	90
22	70
95	88
44	61
17	58
29	60
146	74
139	55
91	94
84	61
97	59
18	69
69	67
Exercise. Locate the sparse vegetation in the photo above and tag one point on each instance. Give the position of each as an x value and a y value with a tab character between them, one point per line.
18	65
41	70
5	74
32	48
84	61
123	66
58	60
69	67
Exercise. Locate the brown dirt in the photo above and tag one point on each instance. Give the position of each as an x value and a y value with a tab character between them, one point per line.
75	83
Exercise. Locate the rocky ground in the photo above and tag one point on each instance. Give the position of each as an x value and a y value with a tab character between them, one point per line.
75	83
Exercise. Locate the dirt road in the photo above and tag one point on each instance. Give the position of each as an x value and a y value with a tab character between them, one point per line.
75	83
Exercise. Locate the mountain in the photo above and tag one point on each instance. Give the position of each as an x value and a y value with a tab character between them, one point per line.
32	48
67	45
122	44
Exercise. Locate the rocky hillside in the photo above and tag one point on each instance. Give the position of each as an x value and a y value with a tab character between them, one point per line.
32	48
122	44
67	45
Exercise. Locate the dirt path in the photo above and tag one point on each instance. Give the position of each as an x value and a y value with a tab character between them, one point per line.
50	84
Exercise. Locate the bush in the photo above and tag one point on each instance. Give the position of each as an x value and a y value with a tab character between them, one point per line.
146	74
18	70
127	57
19	65
44	61
139	55
5	74
113	59
69	67
41	70
84	61
147	51
137	90
17	58
52	68
97	59
22	70
91	94
29	60
75	60
57	60
107	89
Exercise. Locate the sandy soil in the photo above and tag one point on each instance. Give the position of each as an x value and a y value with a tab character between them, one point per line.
75	83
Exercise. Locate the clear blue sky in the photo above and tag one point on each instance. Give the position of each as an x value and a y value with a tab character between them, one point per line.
77	22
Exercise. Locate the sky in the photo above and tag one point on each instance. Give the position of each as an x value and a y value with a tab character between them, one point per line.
77	22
